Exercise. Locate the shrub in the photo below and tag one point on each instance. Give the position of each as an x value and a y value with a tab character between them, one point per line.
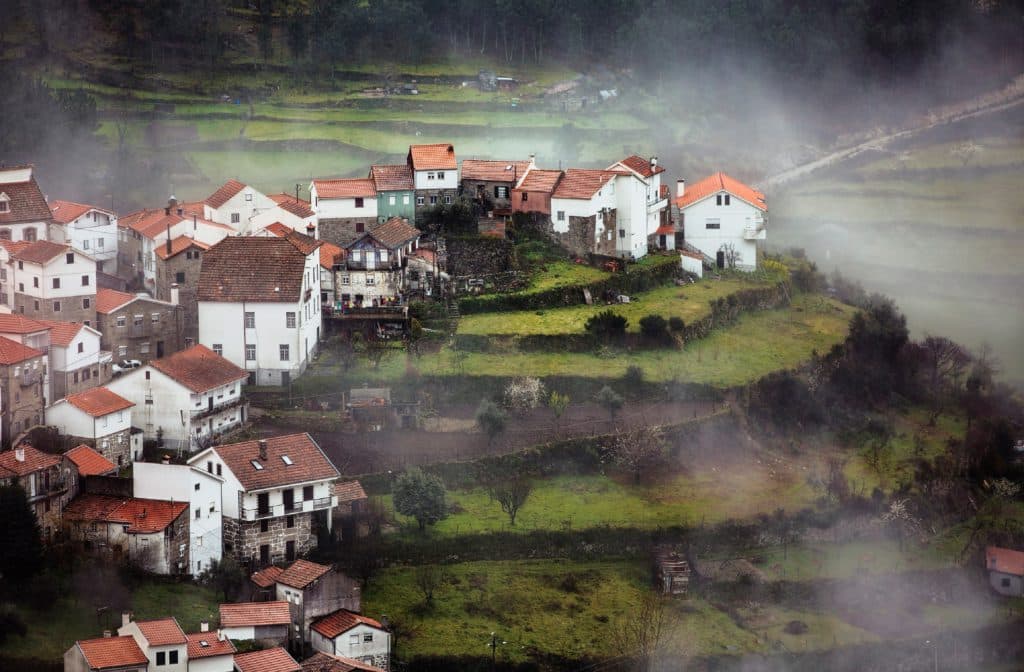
634	376
611	400
606	325
654	327
676	324
524	394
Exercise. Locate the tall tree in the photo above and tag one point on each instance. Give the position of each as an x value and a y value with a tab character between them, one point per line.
21	553
420	495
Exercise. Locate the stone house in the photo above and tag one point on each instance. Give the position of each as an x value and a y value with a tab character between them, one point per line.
147	533
353	507
80	463
354	636
313	590
24	214
584	216
178	264
106	654
345	208
435	174
1005	570
99	418
77	362
162	641
31	333
396	192
371	271
276	491
45	484
89	229
490	183
137	326
52	281
724	219
145	231
22	377
264	623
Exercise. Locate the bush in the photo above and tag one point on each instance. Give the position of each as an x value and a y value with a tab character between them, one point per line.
654	327
633	378
606	325
676	324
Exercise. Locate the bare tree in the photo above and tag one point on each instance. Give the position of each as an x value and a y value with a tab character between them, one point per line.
642	634
730	254
639	450
428	580
946	364
511	493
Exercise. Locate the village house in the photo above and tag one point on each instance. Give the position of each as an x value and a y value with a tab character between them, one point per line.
188	398
150	534
202	489
273	490
263	623
22	388
45	484
52	281
30	333
323	662
723	219
313	590
584	215
490	183
372	269
76	361
88	229
293	212
646	180
354	636
330	255
396	192
99	418
240	207
259	305
435	174
80	463
106	654
210	652
1005	570
24	214
137	326
276	659
178	264
344	208
162	641
353	506
533	192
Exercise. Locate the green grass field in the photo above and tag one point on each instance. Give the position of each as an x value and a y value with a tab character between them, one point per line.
851	559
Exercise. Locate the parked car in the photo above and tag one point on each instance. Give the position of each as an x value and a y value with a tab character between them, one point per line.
125	365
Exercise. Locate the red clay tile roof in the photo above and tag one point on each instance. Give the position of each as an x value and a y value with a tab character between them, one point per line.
65	212
268	660
15	323
178	245
111	652
35	460
89	462
289	203
40	252
717	183
665	230
432	157
266	577
143	516
640	165
540	180
153	223
109	300
581	183
493	171
206	645
199	369
305	244
62	333
226	192
99	401
332	625
244	614
12	352
395	232
301	573
302	242
358	187
330	254
26	201
265	270
323	662
13	246
392	177
1004	560
349	491
279	229
308	462
162	632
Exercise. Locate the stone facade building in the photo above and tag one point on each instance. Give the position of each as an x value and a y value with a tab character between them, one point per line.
137	326
46	488
22	374
178	265
435	174
490	183
24	214
345	208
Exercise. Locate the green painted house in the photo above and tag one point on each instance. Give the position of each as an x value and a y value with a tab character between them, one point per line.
396	195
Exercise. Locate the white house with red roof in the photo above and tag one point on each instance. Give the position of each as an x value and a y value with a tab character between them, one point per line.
106	654
330	255
1005	570
724	219
262	622
190	397
77	362
584	212
313	590
24	214
646	200
162	641
89	229
99	417
210	652
435	174
239	206
345	208
53	281
276	491
347	633
295	213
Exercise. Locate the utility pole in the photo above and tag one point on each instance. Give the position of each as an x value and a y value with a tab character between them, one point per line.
494	652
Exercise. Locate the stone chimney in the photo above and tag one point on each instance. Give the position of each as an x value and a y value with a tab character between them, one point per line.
204	626
263	449
174	293
167	245
680	188
172	203
19	453
126	618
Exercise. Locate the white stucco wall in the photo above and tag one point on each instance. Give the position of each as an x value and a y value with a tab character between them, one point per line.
442	179
151	651
75	422
342	645
333	208
733	220
93	233
70	276
247	204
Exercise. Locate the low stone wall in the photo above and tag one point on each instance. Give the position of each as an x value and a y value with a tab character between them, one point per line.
479	256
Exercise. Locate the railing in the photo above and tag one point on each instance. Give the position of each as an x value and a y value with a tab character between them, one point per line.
659	204
276	510
754	233
206	412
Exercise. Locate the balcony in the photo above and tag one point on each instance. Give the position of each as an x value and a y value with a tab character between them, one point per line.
276	510
205	412
657	206
754	233
29	377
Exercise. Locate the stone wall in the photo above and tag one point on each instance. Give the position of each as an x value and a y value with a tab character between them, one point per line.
243	538
343	230
80	308
475	257
581	238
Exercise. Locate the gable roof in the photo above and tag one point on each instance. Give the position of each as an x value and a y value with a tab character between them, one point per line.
12	352
162	631
639	165
1004	560
99	401
250	268
40	252
343	620
198	368
178	245
354	187
349	491
278	229
308	462
207	645
89	462
35	460
266	577
267	660
582	183
397	177
324	662
26	202
16	323
301	573
109	300
62	333
242	614
225	193
65	212
719	182
540	180
330	254
439	156
302	242
143	516
111	652
395	232
493	171
295	206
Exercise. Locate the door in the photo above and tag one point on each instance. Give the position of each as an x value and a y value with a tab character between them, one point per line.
159	349
289	499
263	504
720	259
289	550
209	403
264	555
286	378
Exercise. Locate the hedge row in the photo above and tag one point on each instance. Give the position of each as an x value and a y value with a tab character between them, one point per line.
635	279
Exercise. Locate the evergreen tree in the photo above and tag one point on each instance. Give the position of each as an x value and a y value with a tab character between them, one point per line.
21	553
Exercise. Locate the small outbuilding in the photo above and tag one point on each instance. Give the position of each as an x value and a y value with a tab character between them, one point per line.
1005	570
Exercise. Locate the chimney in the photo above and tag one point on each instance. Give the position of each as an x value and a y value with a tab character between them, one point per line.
19	453
181	211
194	221
126	618
220	635
167	245
174	293
263	449
311	230
680	188
204	626
166	459
108	634
654	163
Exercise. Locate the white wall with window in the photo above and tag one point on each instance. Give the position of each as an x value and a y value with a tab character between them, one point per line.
362	642
242	212
721	221
447	178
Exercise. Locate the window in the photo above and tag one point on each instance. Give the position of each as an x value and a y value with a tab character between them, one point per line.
360	227
56	306
161	657
371	280
213	507
433	200
219	470
264	525
144	348
727	199
179	277
290	521
70	257
56	283
122	351
359	202
86	303
430	175
345	280
99	243
561	215
198	512
189	341
718	199
29	235
367	637
307	493
250	352
235	218
712	224
419	201
1005	583
250	320
35	282
289	320
154	317
85	376
137	320
353	639
218	348
172	657
391	199
501	192
440	174
121	320
35	305
526	197
622	233
448	200
5	206
283	348
81	347
85	281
